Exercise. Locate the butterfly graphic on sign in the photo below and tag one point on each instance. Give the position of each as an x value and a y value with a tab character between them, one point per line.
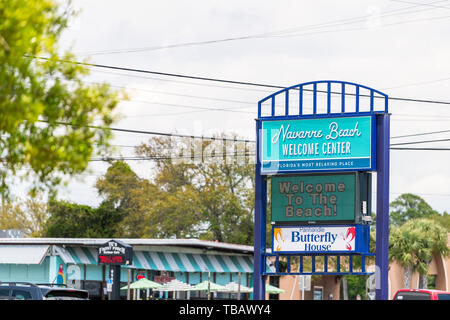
278	238
348	238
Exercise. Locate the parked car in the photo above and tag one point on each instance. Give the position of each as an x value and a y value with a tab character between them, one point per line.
30	291
421	294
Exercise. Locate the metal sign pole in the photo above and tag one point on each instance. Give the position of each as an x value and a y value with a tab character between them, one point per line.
128	285
115	294
382	233
115	253
259	287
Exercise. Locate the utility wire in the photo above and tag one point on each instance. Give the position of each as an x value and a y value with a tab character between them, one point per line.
417	142
421	149
173	157
167	134
107	159
306	29
420	134
228	81
151	132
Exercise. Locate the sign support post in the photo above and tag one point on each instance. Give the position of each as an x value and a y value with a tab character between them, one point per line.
259	285
115	276
115	253
382	235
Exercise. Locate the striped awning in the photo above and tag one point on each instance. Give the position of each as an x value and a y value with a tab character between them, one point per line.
78	255
165	261
186	262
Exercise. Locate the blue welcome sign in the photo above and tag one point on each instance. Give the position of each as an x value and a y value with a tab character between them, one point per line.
315	135
342	143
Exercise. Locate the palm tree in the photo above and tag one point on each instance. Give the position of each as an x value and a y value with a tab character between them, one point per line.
400	249
414	244
434	243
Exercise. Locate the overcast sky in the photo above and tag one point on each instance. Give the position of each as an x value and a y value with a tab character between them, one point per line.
398	47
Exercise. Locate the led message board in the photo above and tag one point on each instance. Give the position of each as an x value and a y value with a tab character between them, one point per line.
319	144
320	198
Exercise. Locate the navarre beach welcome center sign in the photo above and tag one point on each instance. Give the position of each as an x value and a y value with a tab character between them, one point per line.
318	144
318	159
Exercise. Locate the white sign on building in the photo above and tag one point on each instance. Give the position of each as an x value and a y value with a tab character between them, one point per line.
314	239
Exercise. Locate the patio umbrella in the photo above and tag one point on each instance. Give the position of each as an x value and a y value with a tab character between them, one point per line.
273	290
234	287
176	285
212	286
143	284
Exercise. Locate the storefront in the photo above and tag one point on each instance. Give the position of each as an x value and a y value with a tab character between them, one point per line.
74	262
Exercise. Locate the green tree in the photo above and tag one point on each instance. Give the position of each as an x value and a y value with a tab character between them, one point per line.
226	189
414	244
409	206
131	196
67	220
70	220
356	286
213	179
443	219
47	111
28	216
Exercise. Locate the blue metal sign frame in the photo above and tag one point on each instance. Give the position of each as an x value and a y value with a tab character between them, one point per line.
300	110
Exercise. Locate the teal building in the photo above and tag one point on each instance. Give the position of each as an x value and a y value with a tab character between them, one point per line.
74	262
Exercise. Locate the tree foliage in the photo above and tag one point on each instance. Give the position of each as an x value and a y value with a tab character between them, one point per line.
414	244
187	197
28	216
205	188
70	220
443	219
409	206
38	96
130	196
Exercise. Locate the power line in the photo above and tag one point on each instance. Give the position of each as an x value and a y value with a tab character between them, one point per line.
420	134
177	94
423	4
231	109
279	33
177	75
106	159
182	82
167	134
151	132
421	149
188	106
137	158
417	142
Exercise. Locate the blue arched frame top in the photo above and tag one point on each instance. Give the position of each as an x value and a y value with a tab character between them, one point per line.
342	88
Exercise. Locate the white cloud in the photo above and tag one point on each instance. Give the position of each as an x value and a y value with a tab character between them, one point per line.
378	45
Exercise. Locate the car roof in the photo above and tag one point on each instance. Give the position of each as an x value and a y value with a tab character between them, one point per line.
48	288
18	284
423	290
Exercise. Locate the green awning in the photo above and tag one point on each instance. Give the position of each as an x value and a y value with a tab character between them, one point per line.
165	261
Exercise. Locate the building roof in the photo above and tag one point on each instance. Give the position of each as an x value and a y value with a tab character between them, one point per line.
187	243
